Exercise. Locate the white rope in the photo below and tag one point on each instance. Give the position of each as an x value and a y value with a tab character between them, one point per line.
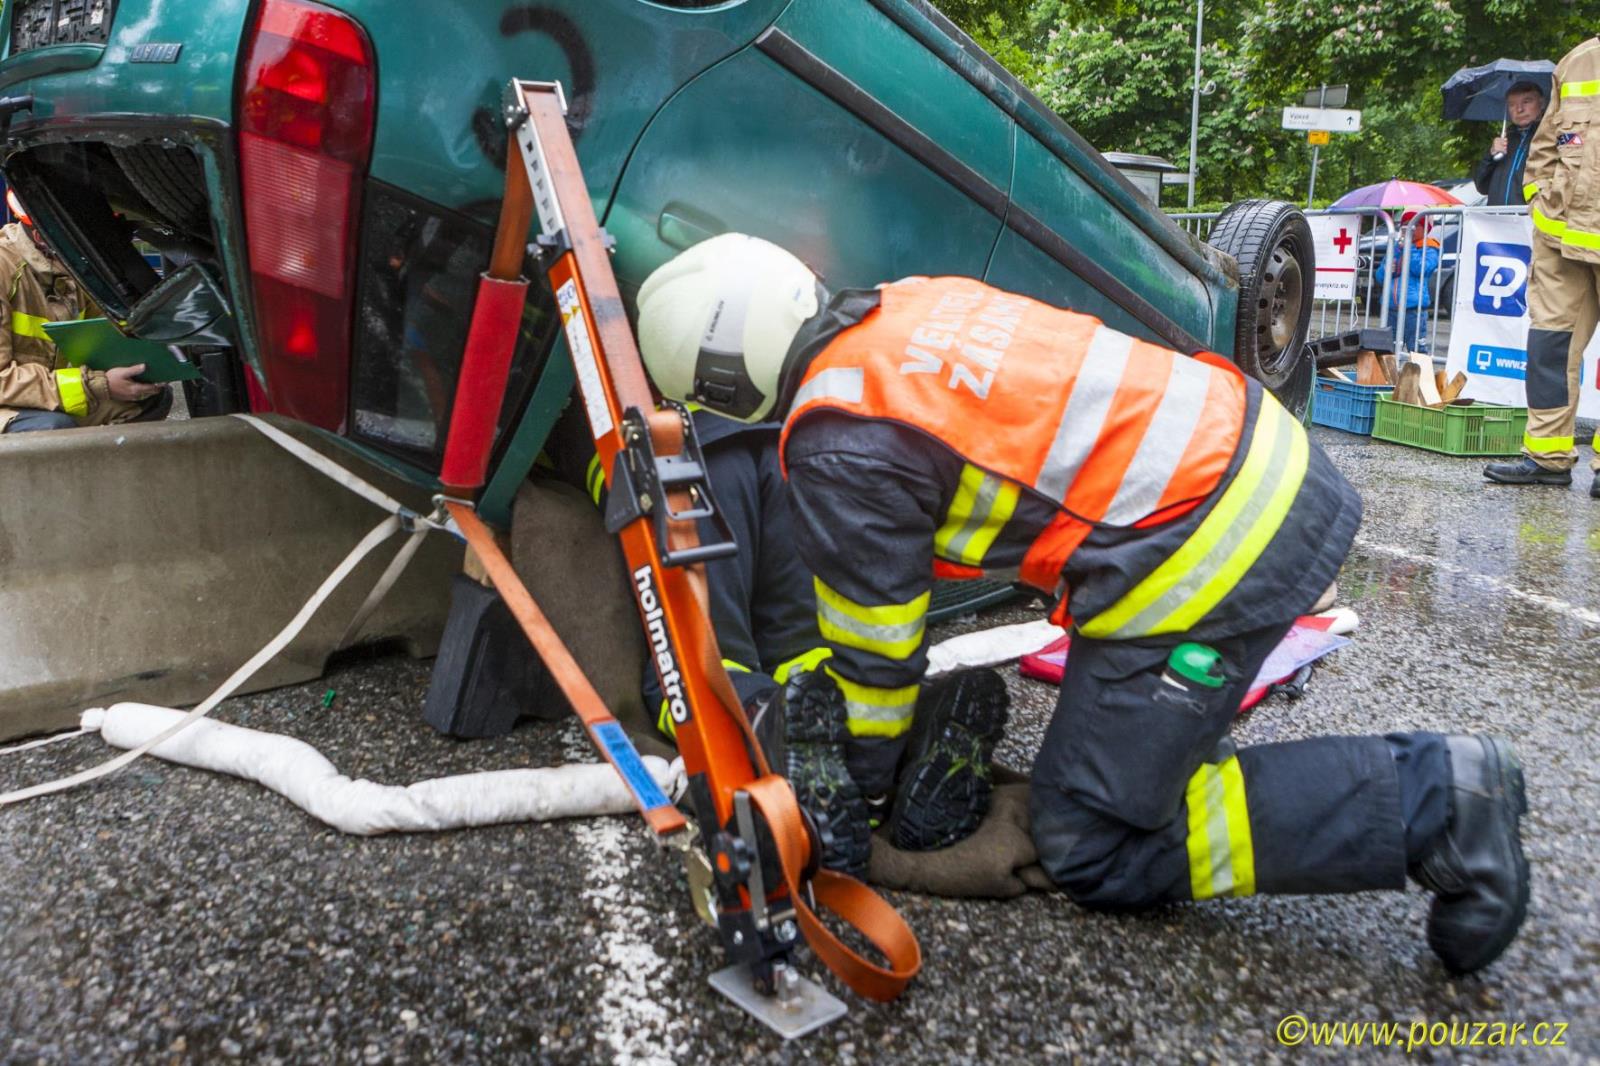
47	740
397	566
380	533
323	465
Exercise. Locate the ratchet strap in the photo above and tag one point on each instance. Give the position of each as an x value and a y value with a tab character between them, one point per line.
602	726
853	902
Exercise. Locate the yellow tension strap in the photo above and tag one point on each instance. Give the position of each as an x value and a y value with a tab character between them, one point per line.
1222	858
1545	445
26	325
892	630
74	400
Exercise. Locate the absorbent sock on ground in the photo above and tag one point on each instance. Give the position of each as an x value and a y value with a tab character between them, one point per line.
990	646
301	774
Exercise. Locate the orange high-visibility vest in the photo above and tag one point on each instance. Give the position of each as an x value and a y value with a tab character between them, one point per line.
1115	430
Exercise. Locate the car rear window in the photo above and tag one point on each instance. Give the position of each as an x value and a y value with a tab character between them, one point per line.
419	279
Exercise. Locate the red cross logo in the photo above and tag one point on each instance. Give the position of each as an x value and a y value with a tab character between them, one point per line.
1342	241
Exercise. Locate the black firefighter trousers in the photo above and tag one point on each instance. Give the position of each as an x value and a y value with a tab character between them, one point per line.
1139	796
763	606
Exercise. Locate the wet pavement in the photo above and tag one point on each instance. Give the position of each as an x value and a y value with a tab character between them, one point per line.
174	914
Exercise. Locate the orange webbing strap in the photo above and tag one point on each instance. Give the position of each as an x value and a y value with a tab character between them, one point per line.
666	438
602	727
853	902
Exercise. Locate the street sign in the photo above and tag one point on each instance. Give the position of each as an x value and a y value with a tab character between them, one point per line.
1336	240
1327	96
1321	118
1318	137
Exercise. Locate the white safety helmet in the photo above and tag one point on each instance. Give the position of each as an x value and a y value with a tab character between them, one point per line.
716	321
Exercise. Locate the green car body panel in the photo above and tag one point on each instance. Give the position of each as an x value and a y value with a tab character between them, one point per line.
868	136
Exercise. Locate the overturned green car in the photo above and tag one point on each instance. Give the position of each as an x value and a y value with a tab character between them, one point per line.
322	180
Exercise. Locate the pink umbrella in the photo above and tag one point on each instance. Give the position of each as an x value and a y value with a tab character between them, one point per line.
1395	193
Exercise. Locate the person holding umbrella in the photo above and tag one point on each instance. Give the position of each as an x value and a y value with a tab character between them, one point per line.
1512	92
1408	285
1499	173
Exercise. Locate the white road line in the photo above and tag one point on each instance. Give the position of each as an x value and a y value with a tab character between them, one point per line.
637	1020
1547	603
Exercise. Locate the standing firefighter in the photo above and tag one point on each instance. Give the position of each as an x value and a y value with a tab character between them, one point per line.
38	390
938	426
1563	193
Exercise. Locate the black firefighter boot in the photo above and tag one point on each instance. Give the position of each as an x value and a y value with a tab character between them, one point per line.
945	777
815	734
1525	471
1476	870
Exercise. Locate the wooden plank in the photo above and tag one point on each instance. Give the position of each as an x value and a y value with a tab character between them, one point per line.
1369	370
1391	369
1425	380
1452	390
1406	389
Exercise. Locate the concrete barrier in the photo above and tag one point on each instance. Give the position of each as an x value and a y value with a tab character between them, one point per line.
146	562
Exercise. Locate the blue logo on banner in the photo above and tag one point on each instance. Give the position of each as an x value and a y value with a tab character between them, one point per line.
1502	287
1498	362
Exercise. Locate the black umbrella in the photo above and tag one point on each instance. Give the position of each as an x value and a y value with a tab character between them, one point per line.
1479	93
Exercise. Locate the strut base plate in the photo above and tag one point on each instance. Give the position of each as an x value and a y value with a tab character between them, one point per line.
809	1007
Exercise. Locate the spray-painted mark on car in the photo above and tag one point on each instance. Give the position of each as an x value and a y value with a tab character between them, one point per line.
560	28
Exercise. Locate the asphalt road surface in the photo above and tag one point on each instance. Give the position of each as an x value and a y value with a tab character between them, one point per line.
175	914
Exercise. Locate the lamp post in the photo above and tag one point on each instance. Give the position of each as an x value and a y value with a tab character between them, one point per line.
1194	111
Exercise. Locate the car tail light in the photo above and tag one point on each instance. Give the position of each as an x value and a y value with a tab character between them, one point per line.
306	107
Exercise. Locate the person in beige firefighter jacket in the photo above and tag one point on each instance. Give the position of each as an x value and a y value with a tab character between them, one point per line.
1563	193
38	390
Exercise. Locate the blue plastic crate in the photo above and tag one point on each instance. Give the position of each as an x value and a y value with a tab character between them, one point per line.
1341	405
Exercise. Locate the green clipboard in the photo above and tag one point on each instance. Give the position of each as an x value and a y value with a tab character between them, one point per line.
98	345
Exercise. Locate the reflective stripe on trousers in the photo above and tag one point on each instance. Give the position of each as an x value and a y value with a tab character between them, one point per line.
1182	590
893	630
1221	854
876	712
982	506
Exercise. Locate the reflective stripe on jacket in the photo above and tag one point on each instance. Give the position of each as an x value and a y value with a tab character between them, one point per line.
1112	429
35	290
1563	171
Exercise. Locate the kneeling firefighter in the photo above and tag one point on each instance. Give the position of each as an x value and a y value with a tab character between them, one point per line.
1182	519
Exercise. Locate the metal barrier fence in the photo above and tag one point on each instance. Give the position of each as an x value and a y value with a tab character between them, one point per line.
1425	328
1369	305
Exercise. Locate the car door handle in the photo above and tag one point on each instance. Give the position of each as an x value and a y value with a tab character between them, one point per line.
684	227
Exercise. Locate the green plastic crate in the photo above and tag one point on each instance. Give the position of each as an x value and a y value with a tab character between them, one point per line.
1482	429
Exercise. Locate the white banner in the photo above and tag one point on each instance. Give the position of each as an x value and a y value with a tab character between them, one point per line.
1336	239
1489	324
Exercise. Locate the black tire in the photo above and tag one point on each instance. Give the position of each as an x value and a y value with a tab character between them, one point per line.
1271	241
171	180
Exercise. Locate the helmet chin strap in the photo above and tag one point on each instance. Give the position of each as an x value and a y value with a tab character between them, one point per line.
721	378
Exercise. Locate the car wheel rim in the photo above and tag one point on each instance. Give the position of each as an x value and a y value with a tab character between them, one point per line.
1282	297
